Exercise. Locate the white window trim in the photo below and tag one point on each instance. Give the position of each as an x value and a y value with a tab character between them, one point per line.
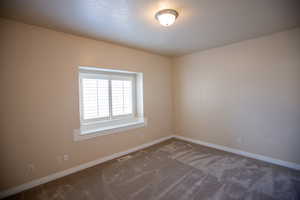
94	128
107	130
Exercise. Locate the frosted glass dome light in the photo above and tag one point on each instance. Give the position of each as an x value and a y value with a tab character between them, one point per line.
166	17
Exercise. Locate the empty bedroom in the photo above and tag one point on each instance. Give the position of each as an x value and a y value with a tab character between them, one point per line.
150	100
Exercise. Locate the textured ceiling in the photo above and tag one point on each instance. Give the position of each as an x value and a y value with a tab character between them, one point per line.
202	24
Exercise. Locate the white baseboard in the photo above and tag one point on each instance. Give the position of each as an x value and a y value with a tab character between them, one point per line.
72	170
243	153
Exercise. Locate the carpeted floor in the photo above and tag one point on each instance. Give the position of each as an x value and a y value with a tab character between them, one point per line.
174	170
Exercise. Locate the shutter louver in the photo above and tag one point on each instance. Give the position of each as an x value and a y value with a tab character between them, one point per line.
121	97
95	97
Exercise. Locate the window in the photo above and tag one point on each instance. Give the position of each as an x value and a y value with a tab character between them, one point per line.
106	97
109	100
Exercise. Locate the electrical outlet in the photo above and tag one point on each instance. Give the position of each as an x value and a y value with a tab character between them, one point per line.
240	140
66	157
30	168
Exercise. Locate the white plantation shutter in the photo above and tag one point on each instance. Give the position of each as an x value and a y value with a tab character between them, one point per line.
121	91
106	96
95	97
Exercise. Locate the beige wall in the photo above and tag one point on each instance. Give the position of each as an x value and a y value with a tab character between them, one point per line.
39	99
245	95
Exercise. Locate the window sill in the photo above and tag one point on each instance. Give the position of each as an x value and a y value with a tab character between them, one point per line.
106	130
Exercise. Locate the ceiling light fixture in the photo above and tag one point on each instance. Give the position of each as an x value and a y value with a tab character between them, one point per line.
166	17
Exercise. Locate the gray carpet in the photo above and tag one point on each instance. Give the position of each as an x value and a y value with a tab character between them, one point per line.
174	170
